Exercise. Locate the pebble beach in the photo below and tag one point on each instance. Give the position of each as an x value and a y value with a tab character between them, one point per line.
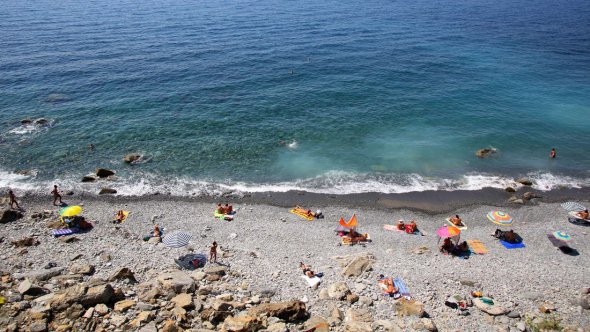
262	247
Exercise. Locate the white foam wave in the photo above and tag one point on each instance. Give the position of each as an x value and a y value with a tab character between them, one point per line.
335	182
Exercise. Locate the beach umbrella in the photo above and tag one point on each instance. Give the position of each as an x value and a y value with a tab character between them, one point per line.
573	206
563	236
448	231
70	211
350	224
500	218
177	239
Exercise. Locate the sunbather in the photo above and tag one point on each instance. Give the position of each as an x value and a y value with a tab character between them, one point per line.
356	236
387	286
400	225
119	217
306	270
220	209
156	232
583	214
447	245
456	220
228	209
411	227
508	236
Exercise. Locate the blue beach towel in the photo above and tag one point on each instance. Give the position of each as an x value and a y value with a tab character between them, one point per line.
512	245
399	283
66	231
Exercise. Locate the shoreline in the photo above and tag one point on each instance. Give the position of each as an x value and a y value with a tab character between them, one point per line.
428	202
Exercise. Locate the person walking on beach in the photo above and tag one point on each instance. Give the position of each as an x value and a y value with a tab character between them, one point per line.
56	195
553	153
13	200
213	252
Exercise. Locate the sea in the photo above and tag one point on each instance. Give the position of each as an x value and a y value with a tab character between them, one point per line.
328	96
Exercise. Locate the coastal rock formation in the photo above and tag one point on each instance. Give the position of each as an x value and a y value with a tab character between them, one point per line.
107	191
132	157
9	215
483	153
103	172
525	182
88	178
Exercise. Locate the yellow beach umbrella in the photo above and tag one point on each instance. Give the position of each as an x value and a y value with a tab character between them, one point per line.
70	211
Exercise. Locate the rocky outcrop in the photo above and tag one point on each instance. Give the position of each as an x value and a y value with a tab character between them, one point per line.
107	191
9	215
132	157
483	153
525	182
289	311
338	290
88	178
358	265
177	282
103	172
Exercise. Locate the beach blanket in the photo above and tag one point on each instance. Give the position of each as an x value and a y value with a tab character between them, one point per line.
464	227
313	281
66	231
477	247
512	245
302	213
191	261
221	216
403	290
125	215
393	228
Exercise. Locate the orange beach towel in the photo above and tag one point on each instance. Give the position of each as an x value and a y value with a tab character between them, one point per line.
477	247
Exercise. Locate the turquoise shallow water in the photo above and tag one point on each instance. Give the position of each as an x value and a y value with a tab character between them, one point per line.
383	96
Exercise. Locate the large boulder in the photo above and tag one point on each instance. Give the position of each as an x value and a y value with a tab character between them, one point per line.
338	290
525	182
483	153
132	157
123	273
358	315
216	270
98	294
86	269
103	172
178	282
490	309
354	326
9	215
289	311
88	178
40	275
358	265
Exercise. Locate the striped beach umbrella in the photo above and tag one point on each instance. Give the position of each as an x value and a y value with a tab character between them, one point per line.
573	206
177	239
70	211
562	236
500	218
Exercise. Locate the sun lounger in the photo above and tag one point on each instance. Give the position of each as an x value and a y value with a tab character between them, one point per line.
464	227
477	247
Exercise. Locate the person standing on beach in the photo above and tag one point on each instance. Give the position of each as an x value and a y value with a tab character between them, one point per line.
553	153
56	195
213	252
13	200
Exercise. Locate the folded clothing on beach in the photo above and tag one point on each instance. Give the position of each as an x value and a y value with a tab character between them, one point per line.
477	247
66	231
512	245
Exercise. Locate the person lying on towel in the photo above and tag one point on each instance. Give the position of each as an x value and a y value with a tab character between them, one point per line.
583	214
119	217
509	236
411	227
306	270
356	236
456	220
387	286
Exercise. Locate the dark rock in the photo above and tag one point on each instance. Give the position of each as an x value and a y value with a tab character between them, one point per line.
88	179
9	215
103	172
25	242
510	189
69	193
41	122
525	181
26	121
132	157
290	311
107	191
124	273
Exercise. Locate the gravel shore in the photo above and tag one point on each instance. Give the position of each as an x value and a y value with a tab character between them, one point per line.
266	243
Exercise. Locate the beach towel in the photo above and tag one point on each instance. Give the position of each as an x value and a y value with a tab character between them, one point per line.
313	282
464	227
191	261
347	240
403	290
125	215
302	213
477	247
226	217
392	228
512	245
66	231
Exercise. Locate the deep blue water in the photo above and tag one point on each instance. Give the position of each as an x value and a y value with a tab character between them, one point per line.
377	96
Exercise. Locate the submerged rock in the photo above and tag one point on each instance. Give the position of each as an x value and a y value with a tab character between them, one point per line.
107	191
132	157
483	153
103	172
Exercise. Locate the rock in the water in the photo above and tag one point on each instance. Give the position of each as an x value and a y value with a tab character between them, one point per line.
9	215
178	282
88	178
515	200
26	121
338	290
525	181
132	157
107	191
289	311
483	153
358	265
103	172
